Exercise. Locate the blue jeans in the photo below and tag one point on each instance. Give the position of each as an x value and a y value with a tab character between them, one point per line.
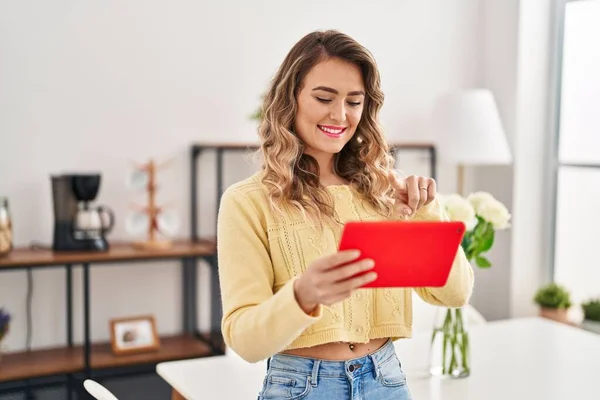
376	376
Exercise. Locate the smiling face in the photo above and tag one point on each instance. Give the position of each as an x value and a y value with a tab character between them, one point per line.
330	106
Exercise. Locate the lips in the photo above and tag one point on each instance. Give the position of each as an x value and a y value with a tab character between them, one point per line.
332	131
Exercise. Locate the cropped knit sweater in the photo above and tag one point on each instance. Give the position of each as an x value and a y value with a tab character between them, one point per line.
260	254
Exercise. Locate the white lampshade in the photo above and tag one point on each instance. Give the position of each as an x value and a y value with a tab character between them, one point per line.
468	130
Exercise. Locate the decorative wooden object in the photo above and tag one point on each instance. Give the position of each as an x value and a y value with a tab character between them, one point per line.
134	335
153	242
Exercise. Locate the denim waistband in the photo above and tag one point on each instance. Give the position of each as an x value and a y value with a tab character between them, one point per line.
334	369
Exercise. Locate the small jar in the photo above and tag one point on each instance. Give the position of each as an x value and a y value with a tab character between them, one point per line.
6	234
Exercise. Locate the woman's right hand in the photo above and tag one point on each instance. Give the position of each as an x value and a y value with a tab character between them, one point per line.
331	279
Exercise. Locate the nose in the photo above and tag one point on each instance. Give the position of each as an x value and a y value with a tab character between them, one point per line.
338	111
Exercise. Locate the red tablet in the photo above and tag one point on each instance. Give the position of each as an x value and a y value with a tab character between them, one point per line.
406	253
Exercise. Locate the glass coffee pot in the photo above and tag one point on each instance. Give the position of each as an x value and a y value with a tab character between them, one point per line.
93	222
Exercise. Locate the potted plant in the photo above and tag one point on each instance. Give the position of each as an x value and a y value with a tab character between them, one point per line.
258	113
4	325
483	215
554	301
591	315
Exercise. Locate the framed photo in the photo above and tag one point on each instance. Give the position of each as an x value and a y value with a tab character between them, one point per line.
133	335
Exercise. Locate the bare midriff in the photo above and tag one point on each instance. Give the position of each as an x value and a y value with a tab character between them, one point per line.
338	351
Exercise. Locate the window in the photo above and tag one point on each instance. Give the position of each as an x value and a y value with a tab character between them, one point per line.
577	214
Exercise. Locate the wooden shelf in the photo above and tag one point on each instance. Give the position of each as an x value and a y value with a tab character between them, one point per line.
39	363
226	146
171	348
119	251
255	145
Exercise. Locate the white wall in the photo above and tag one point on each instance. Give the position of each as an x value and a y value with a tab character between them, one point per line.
499	74
517	42
530	262
95	85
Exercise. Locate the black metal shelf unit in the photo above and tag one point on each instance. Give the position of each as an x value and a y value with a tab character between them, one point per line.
71	376
221	148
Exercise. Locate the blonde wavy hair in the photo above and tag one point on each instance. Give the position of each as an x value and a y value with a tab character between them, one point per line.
291	176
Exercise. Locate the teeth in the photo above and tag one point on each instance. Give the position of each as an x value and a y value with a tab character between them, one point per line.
332	131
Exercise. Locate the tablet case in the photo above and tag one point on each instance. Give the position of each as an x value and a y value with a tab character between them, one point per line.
406	253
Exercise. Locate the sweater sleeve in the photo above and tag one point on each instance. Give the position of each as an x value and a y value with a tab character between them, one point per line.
459	287
257	322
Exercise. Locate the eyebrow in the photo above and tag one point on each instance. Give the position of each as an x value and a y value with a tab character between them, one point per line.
331	90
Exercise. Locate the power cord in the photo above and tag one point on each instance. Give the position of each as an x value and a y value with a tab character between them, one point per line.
29	394
29	301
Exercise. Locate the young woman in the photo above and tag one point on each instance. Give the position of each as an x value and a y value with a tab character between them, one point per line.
288	295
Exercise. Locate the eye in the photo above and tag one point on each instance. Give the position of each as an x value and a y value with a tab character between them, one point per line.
322	100
354	103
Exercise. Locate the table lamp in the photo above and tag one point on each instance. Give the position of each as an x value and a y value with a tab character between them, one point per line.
468	131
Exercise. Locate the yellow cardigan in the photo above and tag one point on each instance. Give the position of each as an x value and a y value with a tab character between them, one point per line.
261	254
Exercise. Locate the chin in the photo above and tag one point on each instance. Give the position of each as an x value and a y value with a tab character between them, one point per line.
336	149
330	148
334	146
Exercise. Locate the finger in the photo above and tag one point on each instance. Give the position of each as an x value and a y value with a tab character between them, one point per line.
413	195
431	191
349	270
402	208
401	205
401	188
423	191
355	283
339	258
397	183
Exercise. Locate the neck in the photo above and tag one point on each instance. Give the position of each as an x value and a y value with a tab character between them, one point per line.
327	175
325	162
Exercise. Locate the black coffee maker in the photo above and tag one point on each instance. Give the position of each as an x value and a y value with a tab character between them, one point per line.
77	225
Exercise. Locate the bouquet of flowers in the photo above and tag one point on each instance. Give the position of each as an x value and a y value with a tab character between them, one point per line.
4	322
483	215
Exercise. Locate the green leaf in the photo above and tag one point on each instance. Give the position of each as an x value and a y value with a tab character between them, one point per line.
479	228
553	295
482	262
466	242
487	240
468	246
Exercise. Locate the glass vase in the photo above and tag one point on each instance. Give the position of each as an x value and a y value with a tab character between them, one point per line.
450	355
6	239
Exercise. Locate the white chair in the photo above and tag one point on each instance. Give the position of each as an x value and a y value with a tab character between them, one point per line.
98	391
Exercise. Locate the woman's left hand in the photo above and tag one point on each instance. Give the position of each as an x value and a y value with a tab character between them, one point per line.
412	192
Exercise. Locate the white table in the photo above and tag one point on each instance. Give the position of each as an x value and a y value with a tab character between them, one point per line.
529	358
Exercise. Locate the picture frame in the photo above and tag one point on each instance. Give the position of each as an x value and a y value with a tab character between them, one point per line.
132	335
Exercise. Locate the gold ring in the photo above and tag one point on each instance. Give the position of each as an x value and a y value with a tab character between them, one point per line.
422	188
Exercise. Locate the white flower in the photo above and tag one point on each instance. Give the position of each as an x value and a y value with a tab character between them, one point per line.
477	198
490	209
459	209
494	212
